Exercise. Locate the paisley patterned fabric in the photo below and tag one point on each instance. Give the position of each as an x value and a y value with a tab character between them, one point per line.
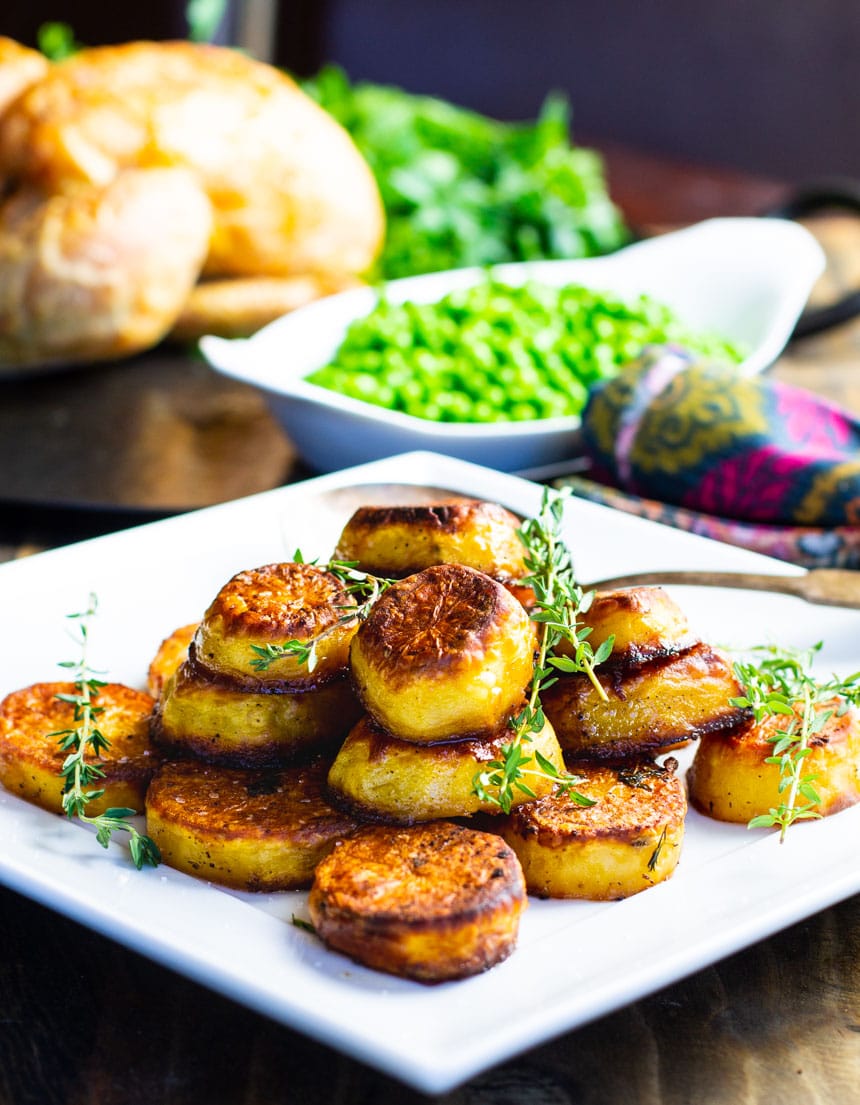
752	461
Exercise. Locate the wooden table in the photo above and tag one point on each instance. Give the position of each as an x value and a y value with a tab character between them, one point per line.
85	1022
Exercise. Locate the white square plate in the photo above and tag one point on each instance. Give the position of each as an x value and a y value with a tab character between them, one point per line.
575	960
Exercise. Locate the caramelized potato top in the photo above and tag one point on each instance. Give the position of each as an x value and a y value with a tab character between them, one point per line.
400	540
435	617
419	874
646	623
237	804
29	716
629	798
271	605
836	731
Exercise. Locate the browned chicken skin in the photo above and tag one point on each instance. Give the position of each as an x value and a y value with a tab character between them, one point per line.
282	189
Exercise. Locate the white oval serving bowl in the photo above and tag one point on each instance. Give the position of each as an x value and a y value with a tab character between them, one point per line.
745	279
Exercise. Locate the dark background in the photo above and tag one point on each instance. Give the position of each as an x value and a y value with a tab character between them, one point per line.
763	85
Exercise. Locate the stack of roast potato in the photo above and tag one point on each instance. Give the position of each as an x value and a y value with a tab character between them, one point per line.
352	771
159	188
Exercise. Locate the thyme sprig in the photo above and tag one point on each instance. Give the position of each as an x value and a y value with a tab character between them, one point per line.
655	855
778	682
559	601
361	585
85	739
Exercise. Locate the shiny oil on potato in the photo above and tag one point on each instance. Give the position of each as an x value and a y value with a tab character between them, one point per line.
730	780
30	754
629	840
251	830
658	706
431	902
382	778
446	653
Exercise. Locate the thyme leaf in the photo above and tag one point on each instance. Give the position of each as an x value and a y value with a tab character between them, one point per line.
778	682
362	586
559	602
85	739
655	855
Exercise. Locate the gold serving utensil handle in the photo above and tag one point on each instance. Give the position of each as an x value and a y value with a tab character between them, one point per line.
822	586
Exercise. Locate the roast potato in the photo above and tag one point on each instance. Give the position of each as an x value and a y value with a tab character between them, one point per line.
729	779
446	653
31	758
251	830
382	778
627	841
172	651
270	606
396	541
645	622
432	902
658	706
221	723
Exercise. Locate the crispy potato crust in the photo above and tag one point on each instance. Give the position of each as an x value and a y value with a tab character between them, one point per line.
272	605
646	622
382	778
400	540
172	651
658	706
730	781
432	902
445	653
628	841
31	758
221	723
252	830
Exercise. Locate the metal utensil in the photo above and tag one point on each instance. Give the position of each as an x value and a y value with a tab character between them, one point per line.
822	586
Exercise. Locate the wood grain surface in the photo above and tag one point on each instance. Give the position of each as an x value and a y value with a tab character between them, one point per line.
85	1022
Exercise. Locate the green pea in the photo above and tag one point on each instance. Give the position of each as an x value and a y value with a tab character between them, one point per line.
496	353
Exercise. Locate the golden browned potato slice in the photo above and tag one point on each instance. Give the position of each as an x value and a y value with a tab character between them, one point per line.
31	758
172	651
729	779
224	724
628	840
399	540
444	654
646	622
83	273
658	706
385	779
432	902
290	192
252	830
270	606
